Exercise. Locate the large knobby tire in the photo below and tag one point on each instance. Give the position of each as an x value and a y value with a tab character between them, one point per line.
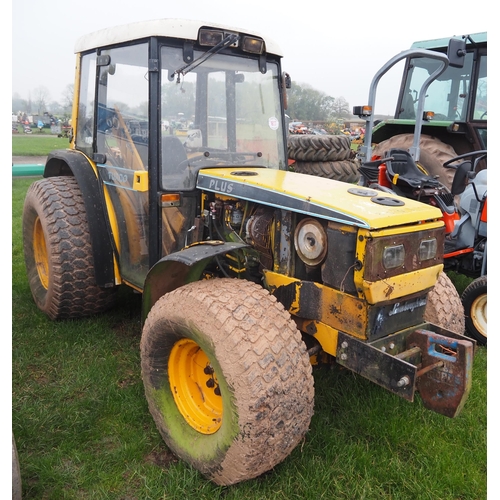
475	301
433	153
58	251
345	171
444	306
227	378
318	148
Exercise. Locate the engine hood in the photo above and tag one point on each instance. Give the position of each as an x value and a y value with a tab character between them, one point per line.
316	196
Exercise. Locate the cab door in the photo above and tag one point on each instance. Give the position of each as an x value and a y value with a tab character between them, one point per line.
122	146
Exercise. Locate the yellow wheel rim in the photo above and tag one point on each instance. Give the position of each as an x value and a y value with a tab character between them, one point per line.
40	253
195	387
479	314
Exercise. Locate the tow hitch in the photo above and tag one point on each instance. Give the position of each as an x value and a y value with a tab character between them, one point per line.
437	365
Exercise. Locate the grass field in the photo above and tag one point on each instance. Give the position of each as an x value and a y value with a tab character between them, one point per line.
36	144
83	430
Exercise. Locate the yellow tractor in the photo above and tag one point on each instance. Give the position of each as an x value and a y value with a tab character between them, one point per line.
249	273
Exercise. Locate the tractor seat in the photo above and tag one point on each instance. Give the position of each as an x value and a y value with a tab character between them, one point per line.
403	172
173	154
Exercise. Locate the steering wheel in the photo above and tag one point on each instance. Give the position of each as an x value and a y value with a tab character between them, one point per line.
464	171
183	164
476	156
213	157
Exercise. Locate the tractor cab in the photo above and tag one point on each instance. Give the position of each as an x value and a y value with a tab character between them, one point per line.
153	109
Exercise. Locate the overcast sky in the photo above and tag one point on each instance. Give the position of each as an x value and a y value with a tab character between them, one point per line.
336	47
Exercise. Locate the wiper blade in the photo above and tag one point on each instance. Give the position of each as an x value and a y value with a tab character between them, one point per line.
229	40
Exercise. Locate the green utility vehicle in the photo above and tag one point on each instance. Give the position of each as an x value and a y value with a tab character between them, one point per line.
176	183
426	168
455	105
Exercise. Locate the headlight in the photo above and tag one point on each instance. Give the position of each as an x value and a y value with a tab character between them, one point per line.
253	45
393	256
427	249
310	242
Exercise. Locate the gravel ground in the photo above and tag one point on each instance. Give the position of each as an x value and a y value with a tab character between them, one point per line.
29	160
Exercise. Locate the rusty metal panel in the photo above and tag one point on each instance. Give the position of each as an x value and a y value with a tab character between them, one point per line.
338	269
438	366
342	311
395	375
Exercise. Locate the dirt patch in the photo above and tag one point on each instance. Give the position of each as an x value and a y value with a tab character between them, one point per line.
161	458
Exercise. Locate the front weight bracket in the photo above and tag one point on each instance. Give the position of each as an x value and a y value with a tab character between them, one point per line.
444	377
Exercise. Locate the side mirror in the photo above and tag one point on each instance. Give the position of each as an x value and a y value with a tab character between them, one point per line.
456	52
288	80
286	83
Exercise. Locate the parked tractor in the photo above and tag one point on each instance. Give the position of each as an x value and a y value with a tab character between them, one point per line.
250	274
401	170
457	98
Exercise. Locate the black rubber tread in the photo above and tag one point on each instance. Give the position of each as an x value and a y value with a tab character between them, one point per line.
444	306
72	291
433	153
262	367
345	171
475	329
319	147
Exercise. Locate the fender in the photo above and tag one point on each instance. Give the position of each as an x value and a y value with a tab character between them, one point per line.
67	162
180	268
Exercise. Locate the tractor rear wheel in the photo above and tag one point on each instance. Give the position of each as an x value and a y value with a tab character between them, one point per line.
475	301
58	251
444	306
433	153
227	378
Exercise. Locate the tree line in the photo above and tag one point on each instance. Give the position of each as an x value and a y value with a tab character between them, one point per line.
39	102
304	104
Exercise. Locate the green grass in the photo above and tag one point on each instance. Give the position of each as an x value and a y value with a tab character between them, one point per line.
37	144
83	430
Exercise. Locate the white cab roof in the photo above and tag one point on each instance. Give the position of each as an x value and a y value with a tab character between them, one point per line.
177	28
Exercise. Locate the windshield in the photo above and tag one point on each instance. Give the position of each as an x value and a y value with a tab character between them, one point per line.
448	96
480	102
222	112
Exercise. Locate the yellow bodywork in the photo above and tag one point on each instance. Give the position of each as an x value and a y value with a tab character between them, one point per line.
402	285
325	198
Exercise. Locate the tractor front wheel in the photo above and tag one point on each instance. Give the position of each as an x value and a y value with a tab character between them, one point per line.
475	301
444	306
227	378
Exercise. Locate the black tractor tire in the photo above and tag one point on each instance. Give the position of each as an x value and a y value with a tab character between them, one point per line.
475	301
433	153
318	148
345	171
444	306
231	335
58	251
